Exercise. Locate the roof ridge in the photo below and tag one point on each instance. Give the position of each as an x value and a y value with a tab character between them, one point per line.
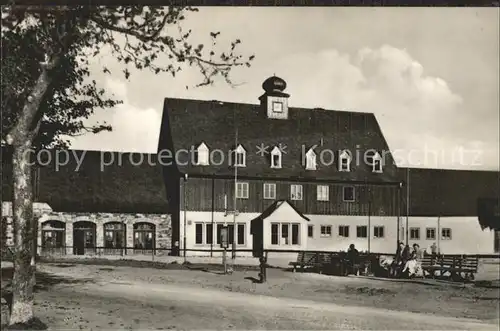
221	102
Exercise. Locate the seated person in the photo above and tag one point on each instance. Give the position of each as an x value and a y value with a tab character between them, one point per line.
413	265
397	264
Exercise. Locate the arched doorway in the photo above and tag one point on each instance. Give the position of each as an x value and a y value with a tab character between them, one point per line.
84	234
114	238
53	237
144	238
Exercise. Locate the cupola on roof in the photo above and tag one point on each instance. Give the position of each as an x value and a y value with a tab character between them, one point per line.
274	84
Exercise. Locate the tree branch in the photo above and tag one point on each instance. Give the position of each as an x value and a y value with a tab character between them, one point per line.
149	38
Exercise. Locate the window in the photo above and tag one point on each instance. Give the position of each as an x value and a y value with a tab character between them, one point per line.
53	234
322	192
310	160
199	233
326	231
144	235
269	191
276	158
310	231
348	194
230	234
446	233
295	234
209	234
276	161
344	231
430	233
219	232
201	155
285	234
415	233
114	235
240	156
378	231
496	244
240	233
277	107
242	190
296	192
344	161
274	233
195	157
374	159
377	163
362	231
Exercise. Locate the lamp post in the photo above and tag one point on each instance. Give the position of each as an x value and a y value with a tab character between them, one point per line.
407	202
399	215
369	217
185	219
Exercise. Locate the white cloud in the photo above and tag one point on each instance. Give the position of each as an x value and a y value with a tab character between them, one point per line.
416	111
134	129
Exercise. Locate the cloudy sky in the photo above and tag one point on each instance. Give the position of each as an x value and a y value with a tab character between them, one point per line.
430	75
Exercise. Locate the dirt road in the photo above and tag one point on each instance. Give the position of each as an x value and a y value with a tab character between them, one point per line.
134	305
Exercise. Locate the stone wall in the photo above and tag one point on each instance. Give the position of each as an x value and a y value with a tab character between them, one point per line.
43	212
38	210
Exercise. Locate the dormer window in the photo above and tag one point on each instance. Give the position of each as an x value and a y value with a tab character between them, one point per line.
201	155
240	156
310	160
277	107
345	161
377	163
276	158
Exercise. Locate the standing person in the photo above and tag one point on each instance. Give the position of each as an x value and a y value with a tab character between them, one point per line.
352	258
433	249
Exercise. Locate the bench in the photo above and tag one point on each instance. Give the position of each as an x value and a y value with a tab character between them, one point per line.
461	267
305	259
330	262
317	260
336	263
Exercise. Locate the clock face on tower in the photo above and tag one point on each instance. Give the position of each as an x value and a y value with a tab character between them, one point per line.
277	107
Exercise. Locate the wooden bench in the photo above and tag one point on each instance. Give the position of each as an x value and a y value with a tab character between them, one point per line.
317	260
305	259
459	267
330	262
337	263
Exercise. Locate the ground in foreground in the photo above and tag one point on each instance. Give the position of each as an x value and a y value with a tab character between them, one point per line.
72	296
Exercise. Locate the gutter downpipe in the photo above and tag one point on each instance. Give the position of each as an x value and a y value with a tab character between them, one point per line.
185	211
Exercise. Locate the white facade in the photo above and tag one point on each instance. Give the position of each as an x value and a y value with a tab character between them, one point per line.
467	237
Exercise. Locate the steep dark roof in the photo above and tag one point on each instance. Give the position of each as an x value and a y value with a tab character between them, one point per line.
186	123
448	192
275	205
121	187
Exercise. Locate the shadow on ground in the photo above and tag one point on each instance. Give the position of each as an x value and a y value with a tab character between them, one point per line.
44	281
488	283
253	280
64	263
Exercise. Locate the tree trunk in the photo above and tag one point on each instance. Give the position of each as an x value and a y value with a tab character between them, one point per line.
24	264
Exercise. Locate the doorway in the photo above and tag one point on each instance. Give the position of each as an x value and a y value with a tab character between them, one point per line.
84	234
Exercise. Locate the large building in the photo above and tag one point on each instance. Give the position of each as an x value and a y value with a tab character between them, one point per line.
315	179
